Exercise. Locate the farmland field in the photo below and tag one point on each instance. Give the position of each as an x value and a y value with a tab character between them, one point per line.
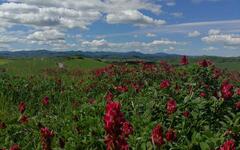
91	104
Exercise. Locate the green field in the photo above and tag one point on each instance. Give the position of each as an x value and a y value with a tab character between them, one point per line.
35	66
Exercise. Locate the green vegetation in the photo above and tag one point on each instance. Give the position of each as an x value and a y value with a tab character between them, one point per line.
36	66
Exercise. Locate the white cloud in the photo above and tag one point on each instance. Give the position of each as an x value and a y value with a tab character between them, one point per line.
214	32
170	2
177	14
81	14
198	1
211	48
151	35
194	34
132	16
226	39
152	46
46	35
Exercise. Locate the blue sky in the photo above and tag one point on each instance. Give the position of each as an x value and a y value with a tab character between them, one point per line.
190	27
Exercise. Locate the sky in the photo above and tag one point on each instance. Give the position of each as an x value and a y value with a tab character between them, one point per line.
186	27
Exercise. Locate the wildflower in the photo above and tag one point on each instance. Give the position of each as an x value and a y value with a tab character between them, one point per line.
171	106
184	60
46	136
15	147
237	105
171	135
45	101
238	92
228	145
127	129
203	94
156	136
109	97
165	84
186	114
227	90
121	88
24	119
216	73
117	128
22	107
204	63
137	87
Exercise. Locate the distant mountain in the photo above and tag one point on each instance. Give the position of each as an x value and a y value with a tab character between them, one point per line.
100	55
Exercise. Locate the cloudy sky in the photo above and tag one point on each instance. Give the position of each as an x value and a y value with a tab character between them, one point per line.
192	27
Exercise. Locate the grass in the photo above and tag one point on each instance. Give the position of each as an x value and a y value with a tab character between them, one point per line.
3	61
34	66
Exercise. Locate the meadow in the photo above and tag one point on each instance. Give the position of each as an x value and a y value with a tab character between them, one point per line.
180	104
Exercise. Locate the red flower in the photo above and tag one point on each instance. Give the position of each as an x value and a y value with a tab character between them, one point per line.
204	63
216	73
137	87
171	106
127	128
171	135
117	128
227	90
15	147
45	101
237	105
184	60
238	92
186	114
121	88
45	132
202	94
22	107
165	84
46	136
228	145
24	119
109	97
156	136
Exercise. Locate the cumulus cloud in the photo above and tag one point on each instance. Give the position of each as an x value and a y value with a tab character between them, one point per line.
46	35
226	39
81	14
152	46
214	31
132	16
194	34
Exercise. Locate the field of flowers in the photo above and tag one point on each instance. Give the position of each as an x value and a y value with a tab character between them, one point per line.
120	107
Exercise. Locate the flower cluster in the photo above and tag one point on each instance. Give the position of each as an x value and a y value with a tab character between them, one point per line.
157	136
171	106
228	145
22	107
46	138
15	147
121	88
205	63
45	101
184	60
165	84
116	127
227	90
